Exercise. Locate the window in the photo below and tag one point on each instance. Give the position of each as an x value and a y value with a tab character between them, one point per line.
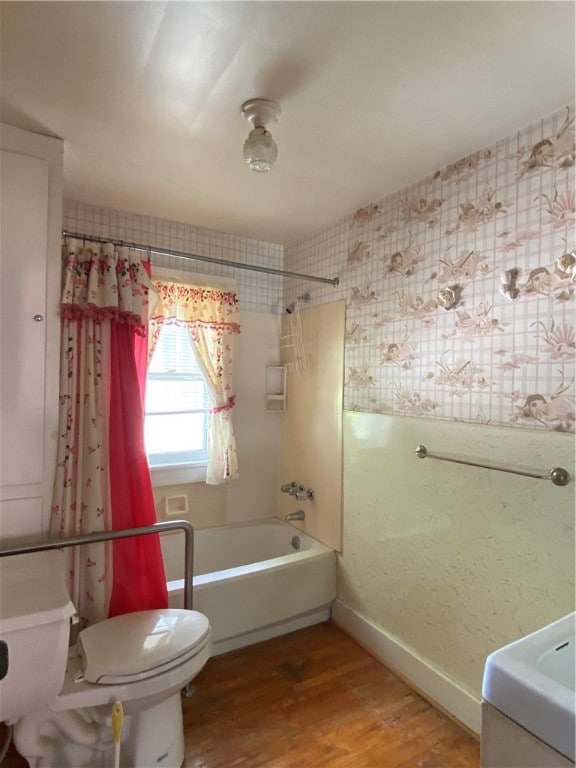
189	382
178	403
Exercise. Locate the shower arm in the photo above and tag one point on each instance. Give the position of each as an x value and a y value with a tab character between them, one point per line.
123	533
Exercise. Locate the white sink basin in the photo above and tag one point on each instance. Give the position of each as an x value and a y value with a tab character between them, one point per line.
531	681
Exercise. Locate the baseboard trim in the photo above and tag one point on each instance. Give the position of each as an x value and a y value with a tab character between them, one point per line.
430	682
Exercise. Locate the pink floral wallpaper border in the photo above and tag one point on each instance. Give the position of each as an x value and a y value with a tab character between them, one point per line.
494	231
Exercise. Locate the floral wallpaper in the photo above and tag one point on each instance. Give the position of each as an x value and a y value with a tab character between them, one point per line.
460	289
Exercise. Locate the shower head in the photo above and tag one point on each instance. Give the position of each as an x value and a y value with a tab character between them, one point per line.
291	307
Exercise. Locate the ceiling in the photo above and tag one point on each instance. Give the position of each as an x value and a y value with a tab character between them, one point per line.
374	96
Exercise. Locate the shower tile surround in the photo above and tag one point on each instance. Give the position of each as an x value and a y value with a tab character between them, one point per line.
491	360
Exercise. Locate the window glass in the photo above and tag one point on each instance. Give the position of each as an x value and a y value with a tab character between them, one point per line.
177	402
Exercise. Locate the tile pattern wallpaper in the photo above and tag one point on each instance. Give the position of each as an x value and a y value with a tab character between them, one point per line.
494	232
257	292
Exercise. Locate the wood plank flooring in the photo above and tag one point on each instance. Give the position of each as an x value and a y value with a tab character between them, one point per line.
315	699
312	699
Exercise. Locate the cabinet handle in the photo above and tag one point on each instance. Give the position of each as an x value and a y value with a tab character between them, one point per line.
38	318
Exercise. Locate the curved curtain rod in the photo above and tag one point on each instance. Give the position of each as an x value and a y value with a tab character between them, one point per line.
195	257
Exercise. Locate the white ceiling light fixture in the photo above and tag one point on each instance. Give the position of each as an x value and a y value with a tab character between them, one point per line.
260	150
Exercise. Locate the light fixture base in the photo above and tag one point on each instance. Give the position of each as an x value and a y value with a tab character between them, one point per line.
260	112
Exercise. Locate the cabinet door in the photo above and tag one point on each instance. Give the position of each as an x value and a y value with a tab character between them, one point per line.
23	244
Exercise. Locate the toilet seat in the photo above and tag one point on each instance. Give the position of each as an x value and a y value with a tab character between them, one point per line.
137	646
77	692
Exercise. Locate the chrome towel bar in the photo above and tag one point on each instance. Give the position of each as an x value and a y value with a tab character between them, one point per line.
558	475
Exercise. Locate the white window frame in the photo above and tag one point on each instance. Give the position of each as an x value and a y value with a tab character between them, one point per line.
192	472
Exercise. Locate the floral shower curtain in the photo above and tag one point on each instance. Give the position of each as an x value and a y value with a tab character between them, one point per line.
210	315
102	479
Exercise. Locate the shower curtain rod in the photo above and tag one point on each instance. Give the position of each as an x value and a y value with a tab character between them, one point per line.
195	257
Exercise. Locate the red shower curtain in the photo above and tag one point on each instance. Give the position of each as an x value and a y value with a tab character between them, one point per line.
102	479
138	581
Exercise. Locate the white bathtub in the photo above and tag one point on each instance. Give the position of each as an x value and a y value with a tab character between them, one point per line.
251	582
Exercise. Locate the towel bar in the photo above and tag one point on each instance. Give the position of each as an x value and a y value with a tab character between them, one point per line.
558	475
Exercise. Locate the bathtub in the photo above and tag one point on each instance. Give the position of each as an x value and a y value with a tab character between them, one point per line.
251	582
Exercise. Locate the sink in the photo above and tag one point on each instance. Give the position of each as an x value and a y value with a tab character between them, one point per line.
532	681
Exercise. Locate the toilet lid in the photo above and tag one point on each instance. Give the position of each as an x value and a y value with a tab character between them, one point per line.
140	645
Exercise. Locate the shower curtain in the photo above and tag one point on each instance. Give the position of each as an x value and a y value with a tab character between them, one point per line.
102	479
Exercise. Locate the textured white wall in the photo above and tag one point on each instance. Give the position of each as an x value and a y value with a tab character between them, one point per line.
455	561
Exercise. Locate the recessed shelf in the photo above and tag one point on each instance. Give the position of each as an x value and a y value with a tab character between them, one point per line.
275	398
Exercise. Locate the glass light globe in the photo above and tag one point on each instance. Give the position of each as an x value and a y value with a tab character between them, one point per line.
260	150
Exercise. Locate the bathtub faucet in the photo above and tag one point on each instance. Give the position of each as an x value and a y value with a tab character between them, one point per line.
298	491
295	516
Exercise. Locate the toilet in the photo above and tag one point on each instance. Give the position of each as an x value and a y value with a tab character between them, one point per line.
60	699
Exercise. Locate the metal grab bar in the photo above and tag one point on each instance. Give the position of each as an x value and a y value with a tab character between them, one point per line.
558	475
124	533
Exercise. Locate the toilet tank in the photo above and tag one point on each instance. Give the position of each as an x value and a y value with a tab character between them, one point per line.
35	611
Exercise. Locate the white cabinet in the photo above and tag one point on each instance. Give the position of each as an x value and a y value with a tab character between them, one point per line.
30	224
505	744
24	216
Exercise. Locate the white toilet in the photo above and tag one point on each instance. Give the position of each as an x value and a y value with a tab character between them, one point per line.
60	699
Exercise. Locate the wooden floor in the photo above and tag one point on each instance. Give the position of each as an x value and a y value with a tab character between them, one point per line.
312	699
315	699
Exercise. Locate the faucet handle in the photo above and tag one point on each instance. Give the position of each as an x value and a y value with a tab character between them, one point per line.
289	488
304	494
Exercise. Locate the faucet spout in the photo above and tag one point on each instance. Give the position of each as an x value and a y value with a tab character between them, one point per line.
299	515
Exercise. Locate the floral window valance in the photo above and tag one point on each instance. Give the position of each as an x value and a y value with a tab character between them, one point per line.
104	282
196	306
210	316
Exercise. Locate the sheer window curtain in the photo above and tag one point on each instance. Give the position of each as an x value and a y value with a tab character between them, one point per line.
102	479
211	317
